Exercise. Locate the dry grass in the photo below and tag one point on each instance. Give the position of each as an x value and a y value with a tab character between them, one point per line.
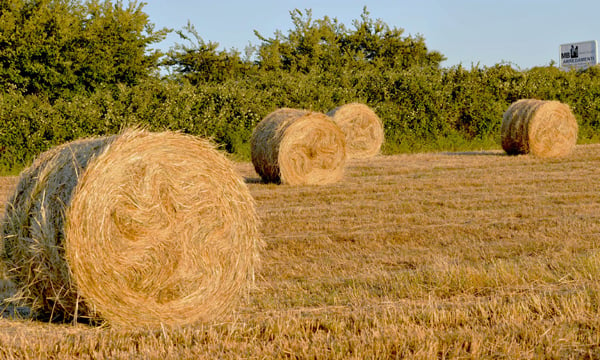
470	255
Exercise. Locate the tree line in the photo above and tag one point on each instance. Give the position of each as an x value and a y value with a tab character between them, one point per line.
75	68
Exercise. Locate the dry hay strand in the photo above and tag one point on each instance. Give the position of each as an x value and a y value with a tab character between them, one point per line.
298	147
543	128
362	127
139	229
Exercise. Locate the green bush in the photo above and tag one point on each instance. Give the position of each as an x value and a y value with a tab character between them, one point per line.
317	66
59	47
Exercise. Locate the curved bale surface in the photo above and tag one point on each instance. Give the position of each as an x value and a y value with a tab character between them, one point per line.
140	229
542	128
298	147
362	127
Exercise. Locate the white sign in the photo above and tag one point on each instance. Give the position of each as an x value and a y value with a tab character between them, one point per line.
579	55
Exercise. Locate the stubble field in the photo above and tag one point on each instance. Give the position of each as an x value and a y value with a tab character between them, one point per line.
446	255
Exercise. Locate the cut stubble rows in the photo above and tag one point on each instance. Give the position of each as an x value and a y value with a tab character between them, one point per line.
473	254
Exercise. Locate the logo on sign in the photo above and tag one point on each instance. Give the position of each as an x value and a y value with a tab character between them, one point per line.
578	55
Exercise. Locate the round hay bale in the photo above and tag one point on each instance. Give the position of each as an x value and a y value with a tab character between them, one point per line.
362	127
542	128
298	147
140	229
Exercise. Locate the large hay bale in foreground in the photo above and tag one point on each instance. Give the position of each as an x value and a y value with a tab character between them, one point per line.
542	128
139	229
298	147
362	127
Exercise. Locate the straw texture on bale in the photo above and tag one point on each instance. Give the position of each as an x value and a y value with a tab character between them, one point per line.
362	127
542	128
138	229
298	147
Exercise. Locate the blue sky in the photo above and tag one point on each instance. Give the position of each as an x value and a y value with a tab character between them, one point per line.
524	33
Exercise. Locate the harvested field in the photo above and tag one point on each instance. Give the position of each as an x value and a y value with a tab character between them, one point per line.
441	255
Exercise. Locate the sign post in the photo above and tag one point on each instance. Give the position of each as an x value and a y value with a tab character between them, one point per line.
580	55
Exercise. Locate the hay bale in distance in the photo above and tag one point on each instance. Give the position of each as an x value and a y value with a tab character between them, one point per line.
298	147
542	128
362	127
139	229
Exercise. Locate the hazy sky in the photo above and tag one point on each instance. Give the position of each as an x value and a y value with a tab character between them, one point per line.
525	33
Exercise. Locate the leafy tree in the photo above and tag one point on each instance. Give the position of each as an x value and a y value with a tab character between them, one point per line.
52	47
311	45
112	44
201	61
375	42
328	45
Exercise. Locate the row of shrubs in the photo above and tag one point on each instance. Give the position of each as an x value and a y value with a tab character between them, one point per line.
422	108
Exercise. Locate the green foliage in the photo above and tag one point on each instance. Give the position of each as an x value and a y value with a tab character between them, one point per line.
52	94
59	47
327	45
111	46
201	61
